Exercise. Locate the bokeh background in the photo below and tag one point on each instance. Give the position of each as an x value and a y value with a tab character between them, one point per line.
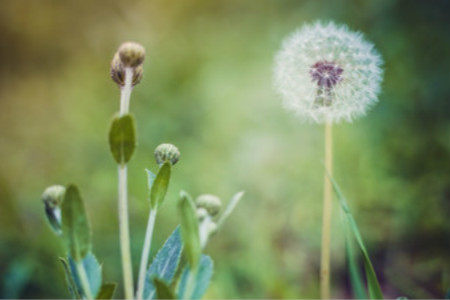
207	88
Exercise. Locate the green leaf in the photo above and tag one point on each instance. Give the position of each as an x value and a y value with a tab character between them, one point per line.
71	285
372	281
202	279
93	271
165	264
230	207
122	138
107	290
150	178
189	229
162	290
159	187
356	278
75	224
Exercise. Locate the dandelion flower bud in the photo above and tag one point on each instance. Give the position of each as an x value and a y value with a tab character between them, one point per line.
327	73
117	72
167	152
52	197
211	203
131	54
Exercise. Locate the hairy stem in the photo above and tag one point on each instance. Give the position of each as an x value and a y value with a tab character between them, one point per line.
327	208
127	266
145	253
125	92
124	233
84	280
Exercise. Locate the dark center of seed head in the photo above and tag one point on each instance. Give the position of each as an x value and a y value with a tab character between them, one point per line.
327	74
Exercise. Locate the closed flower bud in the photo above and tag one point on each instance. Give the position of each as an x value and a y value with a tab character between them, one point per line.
167	152
211	203
52	197
117	72
131	54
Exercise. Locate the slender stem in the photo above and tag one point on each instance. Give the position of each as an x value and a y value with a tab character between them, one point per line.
84	280
126	92
127	266
124	233
145	253
190	283
327	208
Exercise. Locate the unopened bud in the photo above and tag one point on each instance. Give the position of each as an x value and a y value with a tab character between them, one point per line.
211	203
131	54
117	72
167	152
53	197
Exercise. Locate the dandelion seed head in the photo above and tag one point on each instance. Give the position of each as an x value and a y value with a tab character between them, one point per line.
325	72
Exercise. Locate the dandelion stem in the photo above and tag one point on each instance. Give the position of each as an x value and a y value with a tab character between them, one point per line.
327	208
123	202
145	253
84	280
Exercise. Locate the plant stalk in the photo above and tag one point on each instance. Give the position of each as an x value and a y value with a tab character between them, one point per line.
127	266
327	209
84	280
145	253
124	233
190	283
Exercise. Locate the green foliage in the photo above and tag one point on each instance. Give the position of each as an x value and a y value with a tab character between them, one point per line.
162	290
75	224
189	229
107	291
122	138
93	271
164	265
202	279
71	285
159	186
356	277
372	281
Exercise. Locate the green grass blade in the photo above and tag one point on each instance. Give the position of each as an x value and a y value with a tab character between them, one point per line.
356	278
372	281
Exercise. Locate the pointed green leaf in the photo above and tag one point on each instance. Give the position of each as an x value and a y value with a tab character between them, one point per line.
189	229
372	280
202	279
71	285
159	187
75	224
165	263
162	290
93	271
107	290
356	278
230	207
122	138
150	178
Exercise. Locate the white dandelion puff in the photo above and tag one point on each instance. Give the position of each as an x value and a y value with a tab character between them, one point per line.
327	73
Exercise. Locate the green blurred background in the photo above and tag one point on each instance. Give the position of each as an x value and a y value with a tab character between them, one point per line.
207	88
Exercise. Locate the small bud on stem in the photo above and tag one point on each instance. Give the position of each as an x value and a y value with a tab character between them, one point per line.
167	152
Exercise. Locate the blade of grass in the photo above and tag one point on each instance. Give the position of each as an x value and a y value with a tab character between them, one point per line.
372	281
356	278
